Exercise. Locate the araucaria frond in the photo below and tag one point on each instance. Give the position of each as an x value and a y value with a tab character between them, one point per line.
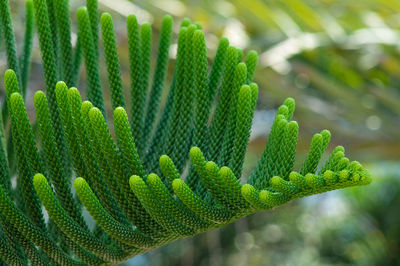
172	171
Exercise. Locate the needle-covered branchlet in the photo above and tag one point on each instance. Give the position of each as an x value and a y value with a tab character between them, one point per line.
159	174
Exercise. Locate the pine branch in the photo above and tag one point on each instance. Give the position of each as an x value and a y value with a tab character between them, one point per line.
11	49
158	181
61	8
93	13
9	37
159	142
159	78
90	55
50	73
52	22
112	61
25	58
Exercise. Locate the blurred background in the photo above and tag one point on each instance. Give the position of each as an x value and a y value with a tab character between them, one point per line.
340	61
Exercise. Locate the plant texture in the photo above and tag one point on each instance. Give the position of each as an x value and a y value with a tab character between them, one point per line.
171	171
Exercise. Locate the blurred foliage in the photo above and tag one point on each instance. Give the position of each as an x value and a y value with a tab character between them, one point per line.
340	60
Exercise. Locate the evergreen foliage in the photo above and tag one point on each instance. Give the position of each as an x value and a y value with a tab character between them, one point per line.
170	173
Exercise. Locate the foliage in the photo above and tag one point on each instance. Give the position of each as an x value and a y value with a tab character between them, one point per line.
140	189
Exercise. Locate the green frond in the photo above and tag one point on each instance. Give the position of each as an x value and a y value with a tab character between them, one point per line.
28	160
126	143
169	172
30	231
272	198
157	211
251	63
51	13
287	150
168	169
239	78
3	137
264	171
97	161
5	177
25	58
24	131
11	83
175	208
178	146
95	177
252	196
160	140
245	111
145	38
68	128
50	70
112	61
93	13
61	9
220	117
69	227
217	69
239	55
8	254
58	177
132	166
9	38
318	145
232	190
110	159
199	206
90	55
46	46
185	22
117	230
202	110
138	93
159	78
77	58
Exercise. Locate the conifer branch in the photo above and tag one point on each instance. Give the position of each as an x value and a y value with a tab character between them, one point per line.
112	61
171	172
25	58
61	8
159	76
90	55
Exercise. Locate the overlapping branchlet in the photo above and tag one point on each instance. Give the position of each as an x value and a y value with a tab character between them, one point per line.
173	171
